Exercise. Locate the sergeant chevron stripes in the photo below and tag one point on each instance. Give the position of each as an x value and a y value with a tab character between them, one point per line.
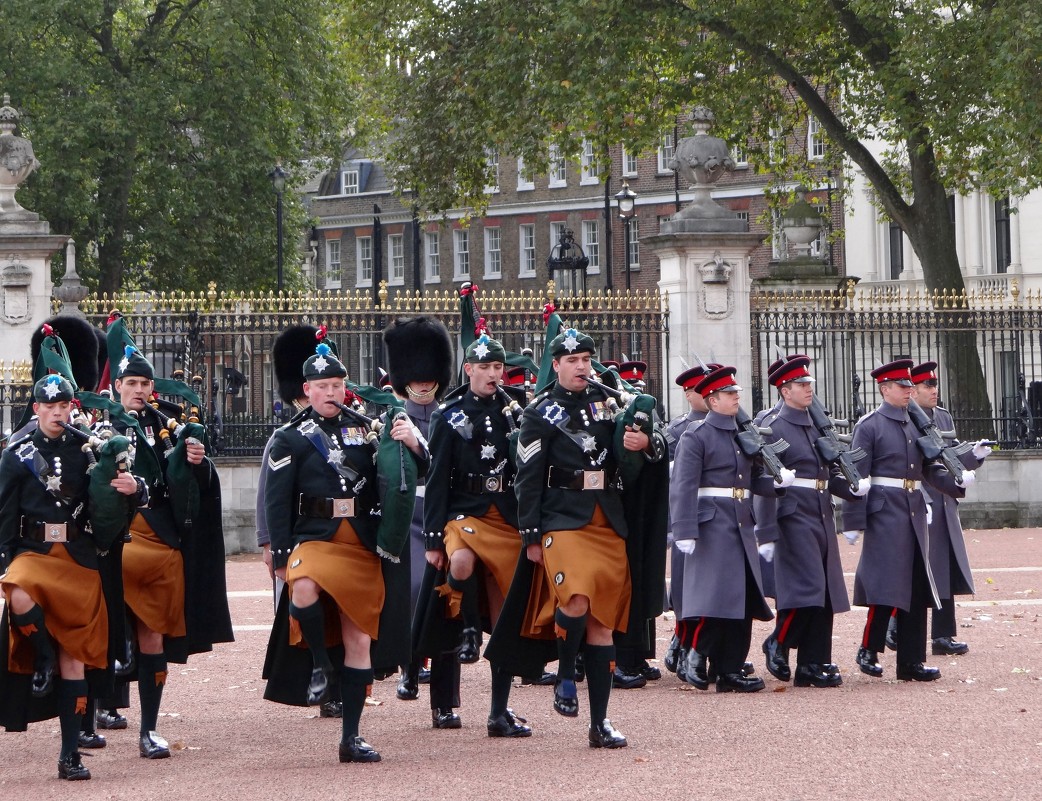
526	452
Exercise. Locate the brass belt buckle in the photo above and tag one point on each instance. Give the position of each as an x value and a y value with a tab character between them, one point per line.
737	493
493	483
909	484
343	507
593	479
55	532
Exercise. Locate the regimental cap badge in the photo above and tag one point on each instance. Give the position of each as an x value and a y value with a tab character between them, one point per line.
572	341
323	365
134	363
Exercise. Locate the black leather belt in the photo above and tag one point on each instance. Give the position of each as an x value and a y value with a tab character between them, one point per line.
51	532
482	484
579	479
327	508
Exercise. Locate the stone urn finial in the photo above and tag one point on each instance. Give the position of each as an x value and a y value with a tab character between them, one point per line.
702	160
16	159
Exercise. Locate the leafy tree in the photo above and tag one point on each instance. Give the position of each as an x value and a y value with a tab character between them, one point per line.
953	89
157	122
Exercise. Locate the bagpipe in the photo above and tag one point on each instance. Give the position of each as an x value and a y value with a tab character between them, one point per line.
636	412
108	455
176	433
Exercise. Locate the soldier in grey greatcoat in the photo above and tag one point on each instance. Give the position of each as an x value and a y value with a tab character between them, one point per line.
711	511
894	570
798	534
948	559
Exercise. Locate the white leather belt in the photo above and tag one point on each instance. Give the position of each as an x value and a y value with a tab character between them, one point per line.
737	493
818	484
907	484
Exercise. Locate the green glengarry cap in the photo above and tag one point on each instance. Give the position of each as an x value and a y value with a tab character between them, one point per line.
571	341
133	363
484	349
52	389
323	365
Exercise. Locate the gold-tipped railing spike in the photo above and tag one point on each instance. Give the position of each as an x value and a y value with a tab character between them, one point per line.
382	294
1014	290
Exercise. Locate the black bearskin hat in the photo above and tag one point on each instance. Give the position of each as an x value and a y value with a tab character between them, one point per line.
291	349
103	351
418	349
81	342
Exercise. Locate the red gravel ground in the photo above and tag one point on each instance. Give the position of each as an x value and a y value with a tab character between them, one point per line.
974	734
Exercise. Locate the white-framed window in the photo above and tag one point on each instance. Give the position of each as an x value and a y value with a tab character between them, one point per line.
364	255
556	229
493	253
350	182
334	273
461	254
815	141
779	242
666	149
432	256
739	157
396	259
558	168
590	172
633	257
629	163
365	360
742	215
591	244
492	171
526	247
525	181
776	147
819	247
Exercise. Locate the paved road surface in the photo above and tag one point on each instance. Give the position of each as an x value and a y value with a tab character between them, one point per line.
976	733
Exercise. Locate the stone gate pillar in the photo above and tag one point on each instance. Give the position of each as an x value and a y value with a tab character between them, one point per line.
704	252
26	246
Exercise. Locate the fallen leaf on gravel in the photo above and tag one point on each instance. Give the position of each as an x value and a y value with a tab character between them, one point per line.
779	689
177	746
1000	689
1021	670
640	759
370	701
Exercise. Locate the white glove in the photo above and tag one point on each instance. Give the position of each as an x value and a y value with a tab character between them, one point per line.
767	551
787	477
852	536
969	478
981	449
863	486
929	513
685	546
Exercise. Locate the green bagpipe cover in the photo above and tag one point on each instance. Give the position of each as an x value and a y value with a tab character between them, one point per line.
398	474
639	413
110	511
181	483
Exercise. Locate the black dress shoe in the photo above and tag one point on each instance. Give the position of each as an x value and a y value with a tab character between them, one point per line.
358	750
580	667
777	659
152	746
423	676
319	688
694	670
624	680
445	719
545	680
91	739
917	672
948	646
891	634
43	679
566	699
508	725
71	768
408	688
331	709
868	661
815	676
604	735
126	666
831	668
748	668
469	650
673	652
737	683
109	719
650	672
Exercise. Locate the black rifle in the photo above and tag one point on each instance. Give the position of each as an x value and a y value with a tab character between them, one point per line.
833	449
932	443
750	440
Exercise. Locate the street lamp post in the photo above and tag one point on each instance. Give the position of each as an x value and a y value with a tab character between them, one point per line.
278	178
567	256
626	199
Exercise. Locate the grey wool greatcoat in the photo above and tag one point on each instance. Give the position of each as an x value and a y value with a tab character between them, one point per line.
948	559
802	523
714	575
893	519
674	431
